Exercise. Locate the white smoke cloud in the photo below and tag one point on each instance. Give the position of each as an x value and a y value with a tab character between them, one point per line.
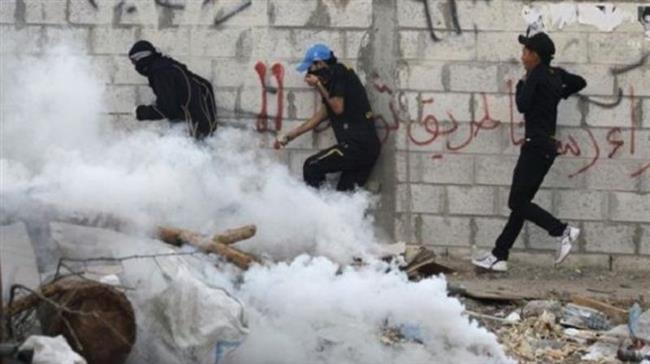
58	150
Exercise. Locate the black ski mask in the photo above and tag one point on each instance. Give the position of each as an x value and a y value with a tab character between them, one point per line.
142	54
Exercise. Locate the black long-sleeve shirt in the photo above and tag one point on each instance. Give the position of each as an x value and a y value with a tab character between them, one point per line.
538	96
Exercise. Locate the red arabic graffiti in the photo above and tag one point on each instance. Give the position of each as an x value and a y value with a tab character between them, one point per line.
277	70
428	128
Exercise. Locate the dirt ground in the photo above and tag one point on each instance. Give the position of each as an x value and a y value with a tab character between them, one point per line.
534	282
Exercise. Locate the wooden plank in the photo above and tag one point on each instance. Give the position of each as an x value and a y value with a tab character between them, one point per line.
617	315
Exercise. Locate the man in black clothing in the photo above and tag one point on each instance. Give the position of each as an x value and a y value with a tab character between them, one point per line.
346	105
180	94
537	97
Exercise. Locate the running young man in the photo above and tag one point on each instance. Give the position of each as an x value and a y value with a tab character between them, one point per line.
537	97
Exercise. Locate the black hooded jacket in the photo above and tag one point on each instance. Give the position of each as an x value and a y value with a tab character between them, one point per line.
181	95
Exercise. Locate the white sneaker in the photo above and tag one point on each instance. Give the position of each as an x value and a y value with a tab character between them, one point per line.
490	262
565	242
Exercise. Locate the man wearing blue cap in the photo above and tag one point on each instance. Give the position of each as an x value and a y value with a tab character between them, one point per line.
537	97
346	105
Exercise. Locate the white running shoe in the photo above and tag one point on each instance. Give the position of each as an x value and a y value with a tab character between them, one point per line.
565	242
490	262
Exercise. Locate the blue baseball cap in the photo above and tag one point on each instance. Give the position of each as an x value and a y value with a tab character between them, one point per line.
317	52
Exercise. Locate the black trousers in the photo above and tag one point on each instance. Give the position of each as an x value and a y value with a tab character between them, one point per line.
354	161
532	166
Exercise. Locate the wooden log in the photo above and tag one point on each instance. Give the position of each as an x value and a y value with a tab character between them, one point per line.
177	237
232	236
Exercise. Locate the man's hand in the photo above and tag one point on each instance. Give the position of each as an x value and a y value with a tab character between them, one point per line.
312	80
138	112
281	141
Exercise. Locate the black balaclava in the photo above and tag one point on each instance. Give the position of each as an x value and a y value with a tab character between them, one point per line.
142	54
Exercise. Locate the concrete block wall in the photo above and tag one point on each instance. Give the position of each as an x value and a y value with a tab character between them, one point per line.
460	179
440	75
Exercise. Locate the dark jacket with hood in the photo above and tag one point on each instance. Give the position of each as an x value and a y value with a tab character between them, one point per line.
181	95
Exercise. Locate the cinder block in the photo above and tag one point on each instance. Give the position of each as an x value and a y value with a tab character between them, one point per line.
574	260
630	263
142	13
452	47
300	104
411	14
569	113
104	68
629	206
619	116
45	12
401	166
539	239
605	237
473	77
644	244
452	169
293	13
543	198
498	47
404	228
226	100
220	42
467	140
7	11
231	73
489	229
476	200
599	80
121	99
201	13
422	76
570	47
488	15
495	169
613	175
277	44
581	205
110	40
20	41
354	41
411	44
351	14
636	81
563	173
75	39
83	12
422	198
445	231
645	118
616	48
306	38
172	41
441	104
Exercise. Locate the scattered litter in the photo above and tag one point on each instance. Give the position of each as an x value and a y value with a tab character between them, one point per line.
536	307
584	318
513	317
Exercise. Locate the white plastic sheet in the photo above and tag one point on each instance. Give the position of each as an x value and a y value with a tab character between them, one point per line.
51	350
